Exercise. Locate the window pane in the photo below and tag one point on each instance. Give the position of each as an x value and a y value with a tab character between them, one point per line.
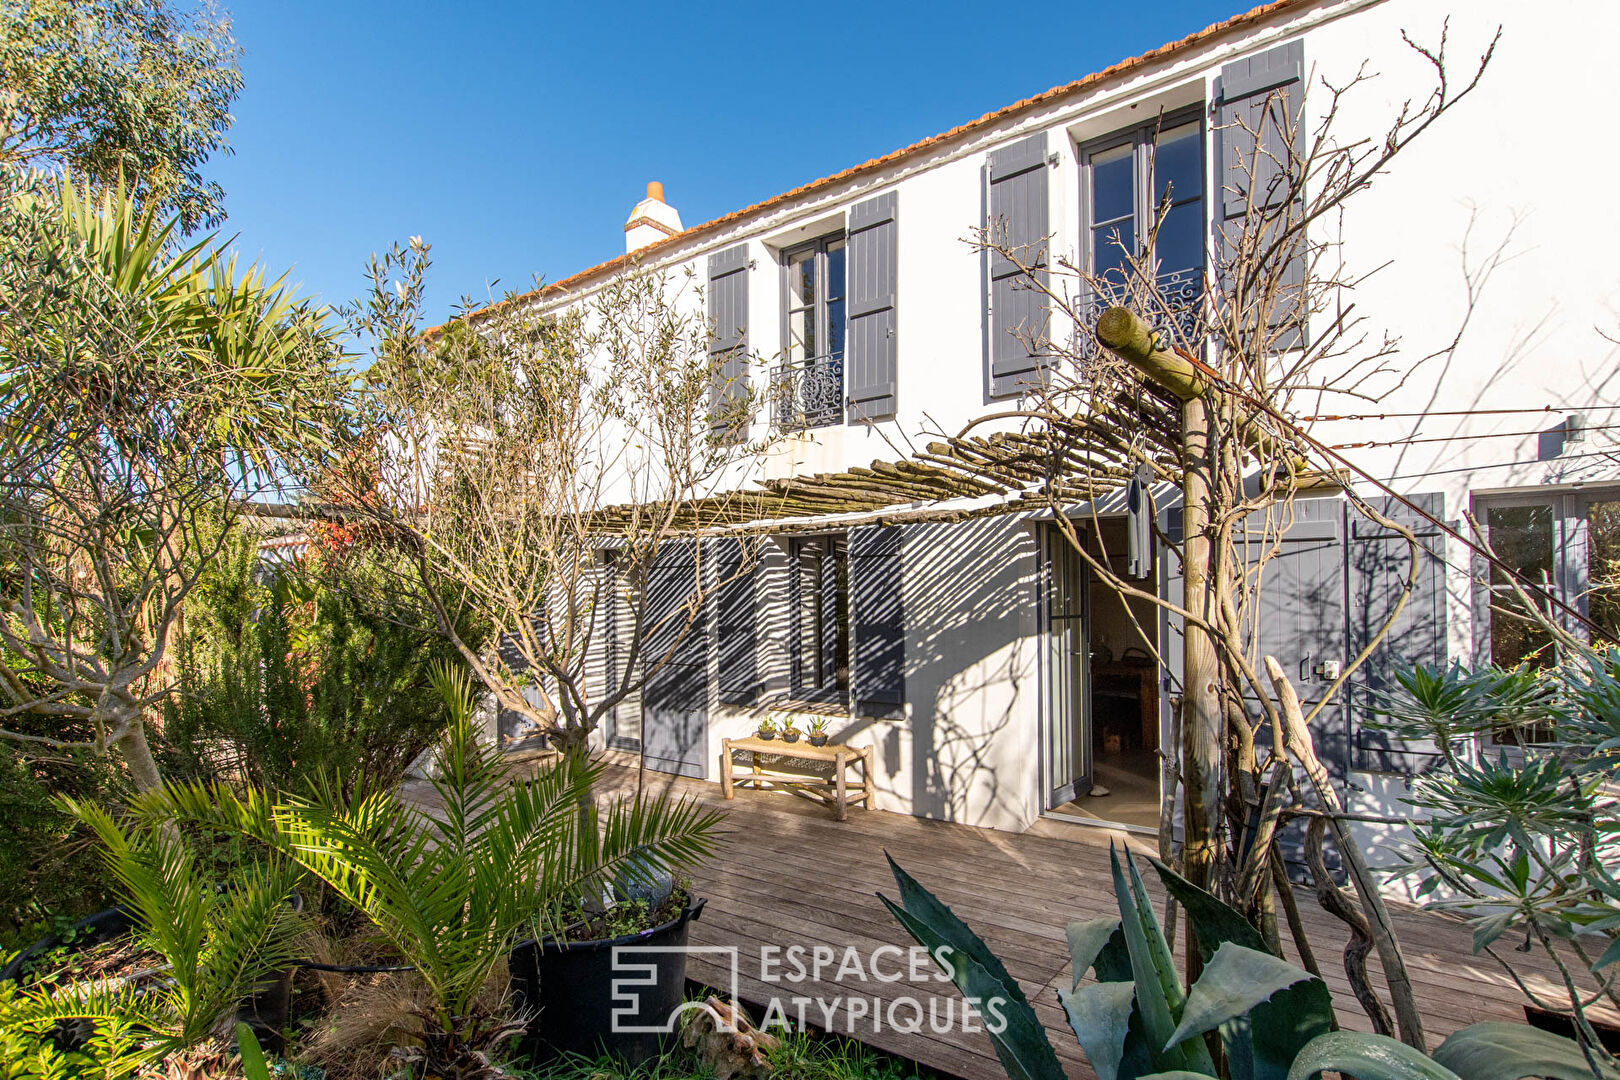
833	287
835	328
1516	640
801	334
1108	258
1603	564
802	279
1522	537
1113	181
1180	242
1178	164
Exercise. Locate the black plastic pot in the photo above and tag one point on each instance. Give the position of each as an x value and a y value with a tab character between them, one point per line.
569	988
265	1012
95	929
766	735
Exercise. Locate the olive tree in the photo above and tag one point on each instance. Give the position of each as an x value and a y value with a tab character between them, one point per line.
534	470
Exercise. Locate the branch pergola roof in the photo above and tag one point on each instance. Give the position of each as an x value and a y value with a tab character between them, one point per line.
1074	459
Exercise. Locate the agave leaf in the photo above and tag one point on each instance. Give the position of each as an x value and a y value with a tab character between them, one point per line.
1366	1057
953	931
1021	1044
1499	1051
1234	982
1159	996
1100	1014
1212	919
1086	941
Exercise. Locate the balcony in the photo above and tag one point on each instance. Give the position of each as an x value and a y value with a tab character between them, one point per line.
807	393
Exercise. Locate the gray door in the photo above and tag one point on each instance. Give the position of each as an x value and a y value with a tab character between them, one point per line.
675	699
1067	742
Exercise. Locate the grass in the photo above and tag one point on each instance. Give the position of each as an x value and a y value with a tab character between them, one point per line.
801	1056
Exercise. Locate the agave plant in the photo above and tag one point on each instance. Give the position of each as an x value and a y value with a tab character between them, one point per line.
219	943
451	887
1269	1019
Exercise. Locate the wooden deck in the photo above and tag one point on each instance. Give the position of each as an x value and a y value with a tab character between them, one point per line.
791	875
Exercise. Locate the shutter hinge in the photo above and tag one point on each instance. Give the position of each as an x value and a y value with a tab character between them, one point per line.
1052	159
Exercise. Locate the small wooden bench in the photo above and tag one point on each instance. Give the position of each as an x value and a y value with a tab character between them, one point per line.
833	792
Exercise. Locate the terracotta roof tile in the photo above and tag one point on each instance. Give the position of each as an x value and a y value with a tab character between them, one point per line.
1123	67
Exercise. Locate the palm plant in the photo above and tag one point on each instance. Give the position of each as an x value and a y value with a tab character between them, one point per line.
451	887
218	942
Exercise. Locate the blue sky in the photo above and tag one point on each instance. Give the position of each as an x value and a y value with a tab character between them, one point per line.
515	138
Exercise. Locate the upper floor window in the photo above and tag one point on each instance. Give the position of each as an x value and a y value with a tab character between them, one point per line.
808	388
1127	178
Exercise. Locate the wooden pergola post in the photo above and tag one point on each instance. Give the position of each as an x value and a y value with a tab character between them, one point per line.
1130	338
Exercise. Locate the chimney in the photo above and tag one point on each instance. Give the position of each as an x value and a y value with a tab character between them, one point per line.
651	220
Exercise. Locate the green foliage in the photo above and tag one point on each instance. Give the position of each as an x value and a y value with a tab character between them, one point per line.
219	943
1272	1020
139	89
112	1049
798	1055
49	874
253	1063
1495	1051
285	674
451	890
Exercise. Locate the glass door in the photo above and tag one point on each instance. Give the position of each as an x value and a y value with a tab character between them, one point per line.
1067	749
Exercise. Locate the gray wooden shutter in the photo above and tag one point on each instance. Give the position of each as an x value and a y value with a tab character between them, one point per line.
877	619
1378	563
1299	615
728	343
873	287
736	621
675	697
1258	99
1018	317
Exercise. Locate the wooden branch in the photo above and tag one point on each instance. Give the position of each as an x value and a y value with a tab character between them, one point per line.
1297	738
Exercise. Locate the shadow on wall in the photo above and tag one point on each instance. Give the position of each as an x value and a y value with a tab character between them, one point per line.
971	672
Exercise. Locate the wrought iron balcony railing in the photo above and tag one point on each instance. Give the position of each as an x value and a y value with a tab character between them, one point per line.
807	393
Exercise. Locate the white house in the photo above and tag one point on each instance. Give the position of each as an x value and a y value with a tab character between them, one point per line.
995	684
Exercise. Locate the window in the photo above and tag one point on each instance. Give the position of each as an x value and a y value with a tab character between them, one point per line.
820	628
1568	543
807	390
1127	177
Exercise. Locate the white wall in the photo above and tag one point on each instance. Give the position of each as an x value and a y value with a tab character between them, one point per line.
1505	197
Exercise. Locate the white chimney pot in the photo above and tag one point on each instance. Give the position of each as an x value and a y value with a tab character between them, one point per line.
651	220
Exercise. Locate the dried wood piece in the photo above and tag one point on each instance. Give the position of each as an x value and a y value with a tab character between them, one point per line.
727	1042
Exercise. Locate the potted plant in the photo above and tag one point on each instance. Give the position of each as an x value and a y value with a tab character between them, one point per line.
790	733
453	892
767	728
818	731
569	970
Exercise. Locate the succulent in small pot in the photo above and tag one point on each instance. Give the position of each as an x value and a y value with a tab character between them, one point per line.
818	731
767	728
790	733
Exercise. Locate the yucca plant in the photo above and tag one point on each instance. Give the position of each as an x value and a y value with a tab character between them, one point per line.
1268	1019
451	887
219	943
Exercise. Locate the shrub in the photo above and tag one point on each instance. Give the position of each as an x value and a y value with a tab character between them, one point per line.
286	675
